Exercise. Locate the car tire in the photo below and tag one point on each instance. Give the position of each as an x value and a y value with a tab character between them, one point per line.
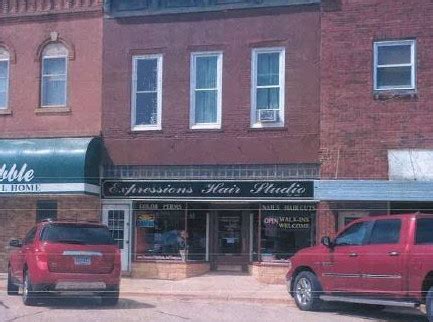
110	298
306	291
29	297
11	288
429	304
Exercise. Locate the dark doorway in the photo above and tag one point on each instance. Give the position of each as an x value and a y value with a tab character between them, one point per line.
230	248
230	233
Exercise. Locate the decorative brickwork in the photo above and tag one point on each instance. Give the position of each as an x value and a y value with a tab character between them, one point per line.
168	270
221	172
29	8
18	215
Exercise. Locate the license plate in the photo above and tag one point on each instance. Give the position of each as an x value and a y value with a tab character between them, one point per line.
82	260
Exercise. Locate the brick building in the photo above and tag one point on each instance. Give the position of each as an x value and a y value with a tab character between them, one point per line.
376	93
50	113
211	125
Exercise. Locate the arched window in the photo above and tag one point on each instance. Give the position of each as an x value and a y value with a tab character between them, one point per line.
54	80
4	77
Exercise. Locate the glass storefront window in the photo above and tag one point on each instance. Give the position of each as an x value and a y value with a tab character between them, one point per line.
181	231
160	231
285	229
196	227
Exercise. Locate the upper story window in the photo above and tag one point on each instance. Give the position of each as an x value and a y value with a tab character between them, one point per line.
4	78
206	85
267	93
54	75
146	92
394	65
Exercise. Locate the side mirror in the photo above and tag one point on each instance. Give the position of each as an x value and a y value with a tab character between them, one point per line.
326	241
16	243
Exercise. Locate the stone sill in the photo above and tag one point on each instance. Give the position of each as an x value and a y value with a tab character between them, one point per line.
53	110
6	111
386	95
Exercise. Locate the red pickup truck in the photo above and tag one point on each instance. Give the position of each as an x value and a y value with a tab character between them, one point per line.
380	260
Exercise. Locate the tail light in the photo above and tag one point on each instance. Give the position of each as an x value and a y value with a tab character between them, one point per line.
41	259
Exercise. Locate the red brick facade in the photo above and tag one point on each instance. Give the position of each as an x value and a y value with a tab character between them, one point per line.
357	129
25	27
176	37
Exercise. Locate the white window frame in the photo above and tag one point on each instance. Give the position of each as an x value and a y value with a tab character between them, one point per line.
147	127
255	52
7	60
47	57
192	124
412	64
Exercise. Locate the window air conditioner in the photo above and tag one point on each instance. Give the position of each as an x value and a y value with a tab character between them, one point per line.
270	115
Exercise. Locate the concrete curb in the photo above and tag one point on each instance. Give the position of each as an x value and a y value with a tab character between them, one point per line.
207	297
228	298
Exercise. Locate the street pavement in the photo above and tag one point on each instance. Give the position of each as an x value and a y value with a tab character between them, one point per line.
211	297
161	309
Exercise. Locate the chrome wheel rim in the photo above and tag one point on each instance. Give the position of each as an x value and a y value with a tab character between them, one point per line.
304	291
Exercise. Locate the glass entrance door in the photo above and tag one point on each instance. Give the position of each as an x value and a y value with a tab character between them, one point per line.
117	218
230	234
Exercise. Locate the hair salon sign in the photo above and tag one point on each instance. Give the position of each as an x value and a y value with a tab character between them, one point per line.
17	179
208	190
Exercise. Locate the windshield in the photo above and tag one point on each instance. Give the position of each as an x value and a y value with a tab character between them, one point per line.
77	234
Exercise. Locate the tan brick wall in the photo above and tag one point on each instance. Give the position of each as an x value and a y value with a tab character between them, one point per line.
168	270
18	215
269	273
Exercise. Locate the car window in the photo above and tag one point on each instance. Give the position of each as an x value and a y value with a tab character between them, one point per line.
424	229
30	237
386	232
77	234
354	235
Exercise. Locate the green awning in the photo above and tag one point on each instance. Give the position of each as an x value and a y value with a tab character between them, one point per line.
60	165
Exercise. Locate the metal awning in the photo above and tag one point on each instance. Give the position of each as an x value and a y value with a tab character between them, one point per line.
59	165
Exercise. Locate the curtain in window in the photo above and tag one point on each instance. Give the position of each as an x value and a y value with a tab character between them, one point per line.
146	104
268	81
54	81
206	91
4	73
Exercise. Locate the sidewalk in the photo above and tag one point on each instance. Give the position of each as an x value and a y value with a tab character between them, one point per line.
212	286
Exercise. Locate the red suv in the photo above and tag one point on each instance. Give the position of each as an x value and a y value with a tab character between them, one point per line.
65	257
381	260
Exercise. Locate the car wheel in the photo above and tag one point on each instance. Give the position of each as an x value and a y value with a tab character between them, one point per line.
429	304
29	297
12	288
110	298
306	291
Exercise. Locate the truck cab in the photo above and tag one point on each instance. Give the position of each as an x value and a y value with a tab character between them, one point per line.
381	260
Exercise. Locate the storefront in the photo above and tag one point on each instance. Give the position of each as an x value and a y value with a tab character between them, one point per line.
177	229
46	178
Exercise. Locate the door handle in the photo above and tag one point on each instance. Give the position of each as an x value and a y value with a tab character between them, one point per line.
393	253
353	255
